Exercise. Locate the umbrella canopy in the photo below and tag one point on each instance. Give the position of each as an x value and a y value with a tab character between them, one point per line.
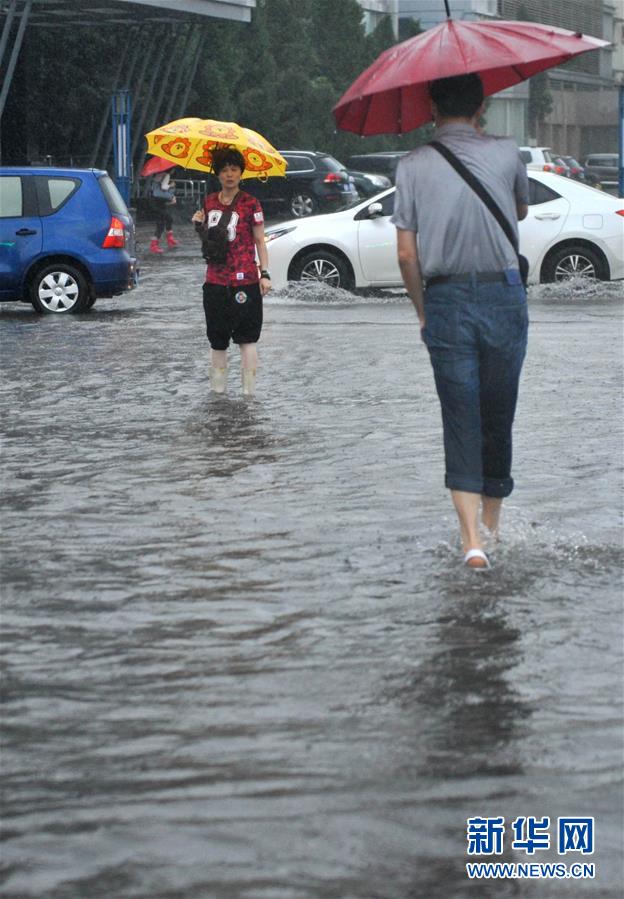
391	96
154	165
189	143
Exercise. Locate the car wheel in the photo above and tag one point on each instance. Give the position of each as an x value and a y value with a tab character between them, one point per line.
59	288
302	204
325	267
572	260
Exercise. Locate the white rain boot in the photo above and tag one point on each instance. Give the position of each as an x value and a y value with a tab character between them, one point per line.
218	379
249	381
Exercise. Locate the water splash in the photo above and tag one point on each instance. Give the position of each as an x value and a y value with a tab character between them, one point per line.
576	291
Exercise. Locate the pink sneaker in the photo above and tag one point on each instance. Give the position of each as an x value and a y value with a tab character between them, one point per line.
171	241
155	247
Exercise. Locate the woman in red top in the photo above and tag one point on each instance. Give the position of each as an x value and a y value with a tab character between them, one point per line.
234	289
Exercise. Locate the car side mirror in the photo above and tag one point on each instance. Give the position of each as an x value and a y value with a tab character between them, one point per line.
374	210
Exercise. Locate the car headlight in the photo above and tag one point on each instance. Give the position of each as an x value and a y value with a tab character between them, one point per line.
279	232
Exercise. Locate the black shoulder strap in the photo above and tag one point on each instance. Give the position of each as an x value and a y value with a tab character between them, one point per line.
473	182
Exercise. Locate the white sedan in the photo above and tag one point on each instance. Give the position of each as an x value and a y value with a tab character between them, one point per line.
571	229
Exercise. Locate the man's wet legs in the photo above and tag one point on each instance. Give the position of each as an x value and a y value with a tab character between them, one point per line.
490	513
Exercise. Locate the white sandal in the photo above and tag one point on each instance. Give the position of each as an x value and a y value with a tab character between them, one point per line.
477	554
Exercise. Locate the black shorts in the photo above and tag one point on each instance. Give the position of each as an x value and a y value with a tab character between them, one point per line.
232	313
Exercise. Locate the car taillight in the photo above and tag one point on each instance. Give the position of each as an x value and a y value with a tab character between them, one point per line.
619	211
333	177
548	167
116	237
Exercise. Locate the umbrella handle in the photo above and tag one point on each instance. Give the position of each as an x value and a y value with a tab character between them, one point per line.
448	11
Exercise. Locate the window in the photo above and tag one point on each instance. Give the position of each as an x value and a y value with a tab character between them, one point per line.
52	193
388	204
60	189
299	164
539	193
329	164
387	207
11	196
525	156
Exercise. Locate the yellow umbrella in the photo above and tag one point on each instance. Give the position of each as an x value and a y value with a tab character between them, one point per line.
189	143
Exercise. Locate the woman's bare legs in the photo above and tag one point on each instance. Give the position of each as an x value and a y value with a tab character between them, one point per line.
249	356
249	363
218	370
218	358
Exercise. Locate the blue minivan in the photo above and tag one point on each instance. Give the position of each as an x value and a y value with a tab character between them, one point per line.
66	238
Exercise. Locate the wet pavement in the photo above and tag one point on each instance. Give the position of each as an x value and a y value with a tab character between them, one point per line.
241	657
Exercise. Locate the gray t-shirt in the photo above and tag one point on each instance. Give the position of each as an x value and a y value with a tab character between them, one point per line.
456	231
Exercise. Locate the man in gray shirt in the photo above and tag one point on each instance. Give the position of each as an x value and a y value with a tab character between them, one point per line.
473	313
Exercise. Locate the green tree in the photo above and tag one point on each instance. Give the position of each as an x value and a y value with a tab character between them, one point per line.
409	28
381	38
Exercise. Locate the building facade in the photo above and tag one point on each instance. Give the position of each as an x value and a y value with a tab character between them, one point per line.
375	10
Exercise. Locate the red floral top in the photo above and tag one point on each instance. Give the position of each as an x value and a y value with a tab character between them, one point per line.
240	266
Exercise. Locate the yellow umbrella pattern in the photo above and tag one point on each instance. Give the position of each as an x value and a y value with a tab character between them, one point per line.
189	143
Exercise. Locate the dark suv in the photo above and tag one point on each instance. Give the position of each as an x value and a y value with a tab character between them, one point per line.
604	166
383	163
314	182
66	238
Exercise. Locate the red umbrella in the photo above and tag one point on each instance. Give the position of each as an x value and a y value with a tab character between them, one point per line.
391	96
154	165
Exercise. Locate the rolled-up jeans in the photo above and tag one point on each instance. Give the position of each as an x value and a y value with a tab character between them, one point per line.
476	334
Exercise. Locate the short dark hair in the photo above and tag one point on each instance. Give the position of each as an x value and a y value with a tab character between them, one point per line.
459	96
227	156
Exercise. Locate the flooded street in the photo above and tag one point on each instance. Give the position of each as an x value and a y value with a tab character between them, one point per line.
242	658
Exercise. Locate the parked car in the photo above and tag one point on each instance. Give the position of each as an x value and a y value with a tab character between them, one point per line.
314	182
562	167
538	159
576	169
367	184
66	238
383	163
604	166
570	229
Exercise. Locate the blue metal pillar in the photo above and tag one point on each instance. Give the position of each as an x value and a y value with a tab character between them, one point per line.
122	153
621	142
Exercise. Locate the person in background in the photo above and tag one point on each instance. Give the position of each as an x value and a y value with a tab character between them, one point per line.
233	290
473	311
162	193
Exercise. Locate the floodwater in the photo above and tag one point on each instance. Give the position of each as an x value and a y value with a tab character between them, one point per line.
242	659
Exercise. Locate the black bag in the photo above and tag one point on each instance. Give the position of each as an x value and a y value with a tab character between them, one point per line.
215	239
492	205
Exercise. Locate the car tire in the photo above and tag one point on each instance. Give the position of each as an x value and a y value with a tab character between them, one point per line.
573	259
301	204
322	266
59	288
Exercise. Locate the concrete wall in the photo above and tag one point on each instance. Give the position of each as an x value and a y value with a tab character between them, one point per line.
581	122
